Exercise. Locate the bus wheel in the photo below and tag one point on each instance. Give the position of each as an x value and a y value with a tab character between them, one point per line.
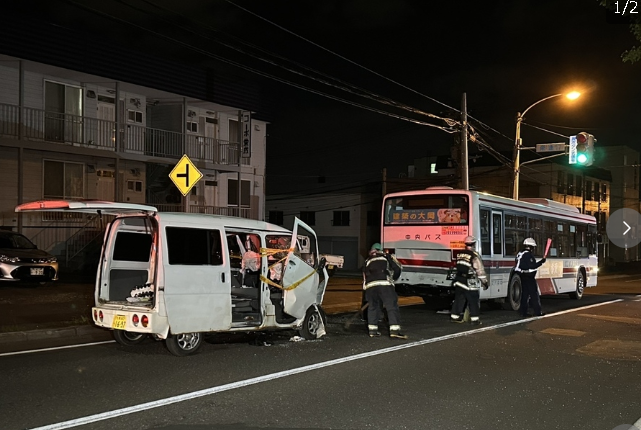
128	338
580	286
184	343
514	291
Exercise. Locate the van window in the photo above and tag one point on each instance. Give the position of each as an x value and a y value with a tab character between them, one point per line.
194	246
132	247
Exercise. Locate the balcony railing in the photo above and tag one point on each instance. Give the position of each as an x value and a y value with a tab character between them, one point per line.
40	125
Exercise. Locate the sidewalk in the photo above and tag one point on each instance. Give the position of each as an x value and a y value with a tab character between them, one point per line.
343	295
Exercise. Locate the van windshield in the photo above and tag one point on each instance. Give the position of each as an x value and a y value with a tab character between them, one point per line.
432	209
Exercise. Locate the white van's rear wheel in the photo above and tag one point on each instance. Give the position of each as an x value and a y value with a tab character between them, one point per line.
312	323
128	338
184	343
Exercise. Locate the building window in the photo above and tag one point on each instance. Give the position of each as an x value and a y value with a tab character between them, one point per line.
63	180
134	116
579	186
308	217
341	218
135	186
604	192
106	99
192	126
232	193
597	194
63	109
570	184
588	190
560	182
234	131
276	217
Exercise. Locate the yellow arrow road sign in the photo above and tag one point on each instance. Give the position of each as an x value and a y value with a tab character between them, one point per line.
185	175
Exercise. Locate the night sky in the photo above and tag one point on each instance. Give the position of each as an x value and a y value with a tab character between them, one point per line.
505	55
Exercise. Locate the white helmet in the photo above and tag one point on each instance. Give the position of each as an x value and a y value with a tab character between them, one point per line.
529	242
470	240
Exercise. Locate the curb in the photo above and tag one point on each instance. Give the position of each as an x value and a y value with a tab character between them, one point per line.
51	333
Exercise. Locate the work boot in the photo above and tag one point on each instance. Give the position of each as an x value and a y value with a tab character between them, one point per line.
456	319
476	322
373	331
395	332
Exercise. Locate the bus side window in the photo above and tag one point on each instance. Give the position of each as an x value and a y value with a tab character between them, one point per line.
485	231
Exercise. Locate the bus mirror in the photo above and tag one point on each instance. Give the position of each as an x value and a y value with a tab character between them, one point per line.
599	238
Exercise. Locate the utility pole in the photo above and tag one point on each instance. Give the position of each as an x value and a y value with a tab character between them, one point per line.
384	181
583	192
464	167
238	150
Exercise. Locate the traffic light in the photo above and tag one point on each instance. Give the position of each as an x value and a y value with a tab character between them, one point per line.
585	149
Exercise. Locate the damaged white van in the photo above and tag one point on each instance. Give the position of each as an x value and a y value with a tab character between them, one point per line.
177	276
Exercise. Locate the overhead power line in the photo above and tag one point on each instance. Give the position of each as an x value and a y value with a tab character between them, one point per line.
261	73
345	86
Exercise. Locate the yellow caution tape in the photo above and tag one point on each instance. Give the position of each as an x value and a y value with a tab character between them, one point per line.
289	287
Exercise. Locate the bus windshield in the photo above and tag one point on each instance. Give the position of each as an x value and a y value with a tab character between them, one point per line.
432	209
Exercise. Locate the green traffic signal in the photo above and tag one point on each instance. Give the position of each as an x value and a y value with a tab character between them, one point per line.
585	148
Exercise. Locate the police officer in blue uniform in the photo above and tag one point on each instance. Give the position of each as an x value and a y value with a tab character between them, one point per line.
526	266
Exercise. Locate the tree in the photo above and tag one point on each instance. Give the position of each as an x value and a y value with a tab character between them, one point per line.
633	54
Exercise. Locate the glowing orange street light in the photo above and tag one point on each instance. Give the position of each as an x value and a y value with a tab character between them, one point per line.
573	95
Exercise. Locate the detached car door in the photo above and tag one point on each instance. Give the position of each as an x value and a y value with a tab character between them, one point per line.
300	277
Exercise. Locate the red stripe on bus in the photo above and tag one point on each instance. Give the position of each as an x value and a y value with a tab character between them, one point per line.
546	286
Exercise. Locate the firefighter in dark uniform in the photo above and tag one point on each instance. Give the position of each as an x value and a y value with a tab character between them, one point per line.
470	276
379	273
526	266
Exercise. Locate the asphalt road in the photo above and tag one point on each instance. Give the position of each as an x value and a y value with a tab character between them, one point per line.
577	367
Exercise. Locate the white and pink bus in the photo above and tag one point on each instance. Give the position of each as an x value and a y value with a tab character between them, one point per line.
426	228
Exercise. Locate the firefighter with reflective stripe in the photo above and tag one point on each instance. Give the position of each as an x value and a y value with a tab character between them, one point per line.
470	275
526	266
379	273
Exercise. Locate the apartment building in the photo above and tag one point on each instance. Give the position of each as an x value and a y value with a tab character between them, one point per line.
66	134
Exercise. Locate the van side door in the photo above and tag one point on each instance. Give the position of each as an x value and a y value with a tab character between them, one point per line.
197	279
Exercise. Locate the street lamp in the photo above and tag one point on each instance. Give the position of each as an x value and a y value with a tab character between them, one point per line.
517	142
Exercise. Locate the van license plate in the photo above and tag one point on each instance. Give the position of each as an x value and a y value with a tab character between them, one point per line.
330	266
37	271
119	322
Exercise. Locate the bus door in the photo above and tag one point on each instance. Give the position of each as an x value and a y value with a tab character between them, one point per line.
499	272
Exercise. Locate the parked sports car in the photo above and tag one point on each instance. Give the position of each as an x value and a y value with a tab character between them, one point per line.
21	260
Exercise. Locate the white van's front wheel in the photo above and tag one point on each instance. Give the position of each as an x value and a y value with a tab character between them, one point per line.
314	320
128	338
184	343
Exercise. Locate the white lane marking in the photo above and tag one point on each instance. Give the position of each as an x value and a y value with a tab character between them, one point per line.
31	351
633	280
214	390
